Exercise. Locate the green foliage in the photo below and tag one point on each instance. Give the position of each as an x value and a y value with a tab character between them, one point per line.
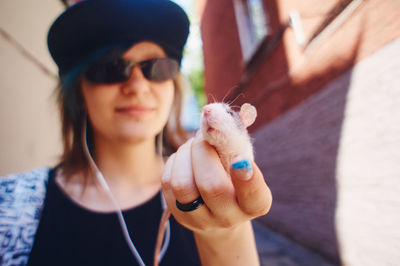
196	78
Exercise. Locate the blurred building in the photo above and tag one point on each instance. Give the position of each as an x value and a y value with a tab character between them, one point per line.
325	78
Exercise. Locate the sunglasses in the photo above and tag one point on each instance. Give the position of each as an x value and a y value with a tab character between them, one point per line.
119	70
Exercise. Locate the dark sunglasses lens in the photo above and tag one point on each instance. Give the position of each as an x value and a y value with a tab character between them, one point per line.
160	69
109	71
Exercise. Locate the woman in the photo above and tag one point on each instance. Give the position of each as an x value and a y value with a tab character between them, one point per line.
118	62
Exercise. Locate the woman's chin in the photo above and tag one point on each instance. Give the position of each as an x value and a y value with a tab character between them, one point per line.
137	134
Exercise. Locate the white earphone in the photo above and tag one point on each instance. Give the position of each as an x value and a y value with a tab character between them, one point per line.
100	178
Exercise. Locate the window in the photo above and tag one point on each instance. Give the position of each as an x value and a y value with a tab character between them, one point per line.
252	24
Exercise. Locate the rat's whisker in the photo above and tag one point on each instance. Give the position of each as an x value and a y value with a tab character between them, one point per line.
229	92
235	106
212	96
240	94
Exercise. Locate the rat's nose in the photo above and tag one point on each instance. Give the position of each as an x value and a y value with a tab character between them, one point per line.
206	112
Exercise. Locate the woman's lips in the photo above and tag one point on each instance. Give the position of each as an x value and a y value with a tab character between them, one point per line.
134	110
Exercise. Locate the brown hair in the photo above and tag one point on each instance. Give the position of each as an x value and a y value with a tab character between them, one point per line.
73	116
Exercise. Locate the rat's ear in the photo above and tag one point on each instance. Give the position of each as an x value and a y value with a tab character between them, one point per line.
248	114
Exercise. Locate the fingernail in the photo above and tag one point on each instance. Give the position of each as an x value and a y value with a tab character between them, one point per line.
243	168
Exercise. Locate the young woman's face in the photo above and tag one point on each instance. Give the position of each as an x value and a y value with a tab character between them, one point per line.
132	110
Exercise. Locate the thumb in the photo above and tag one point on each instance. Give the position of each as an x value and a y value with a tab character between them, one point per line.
242	169
253	195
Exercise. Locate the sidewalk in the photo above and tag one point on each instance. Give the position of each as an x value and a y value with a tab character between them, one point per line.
276	250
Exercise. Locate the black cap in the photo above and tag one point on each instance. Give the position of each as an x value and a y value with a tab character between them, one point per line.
94	25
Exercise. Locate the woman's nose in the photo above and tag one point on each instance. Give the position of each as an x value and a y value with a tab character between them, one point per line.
136	83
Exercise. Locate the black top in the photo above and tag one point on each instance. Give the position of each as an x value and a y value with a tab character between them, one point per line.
69	234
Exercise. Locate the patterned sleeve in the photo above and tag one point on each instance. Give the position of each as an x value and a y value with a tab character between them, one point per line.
21	199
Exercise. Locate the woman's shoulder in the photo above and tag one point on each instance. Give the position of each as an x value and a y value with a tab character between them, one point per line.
24	181
24	188
21	200
33	173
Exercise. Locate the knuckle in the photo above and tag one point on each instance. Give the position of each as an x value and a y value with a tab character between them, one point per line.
200	226
204	227
262	211
181	186
198	142
258	209
256	201
227	223
216	189
165	184
183	190
170	160
185	146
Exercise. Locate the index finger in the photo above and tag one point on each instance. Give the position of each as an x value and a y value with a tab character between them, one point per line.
211	178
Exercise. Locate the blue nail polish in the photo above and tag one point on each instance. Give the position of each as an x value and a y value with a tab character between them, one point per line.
242	165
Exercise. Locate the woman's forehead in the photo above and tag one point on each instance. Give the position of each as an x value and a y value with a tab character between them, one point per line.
144	50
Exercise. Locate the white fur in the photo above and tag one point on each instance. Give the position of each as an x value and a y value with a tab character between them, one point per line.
230	137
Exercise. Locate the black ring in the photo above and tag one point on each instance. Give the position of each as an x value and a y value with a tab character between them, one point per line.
191	206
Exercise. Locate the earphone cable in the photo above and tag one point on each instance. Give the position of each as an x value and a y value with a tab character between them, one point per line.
104	185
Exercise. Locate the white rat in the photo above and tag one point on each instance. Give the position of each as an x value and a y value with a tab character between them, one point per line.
225	129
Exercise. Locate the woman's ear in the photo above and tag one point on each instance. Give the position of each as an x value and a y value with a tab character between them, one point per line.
248	114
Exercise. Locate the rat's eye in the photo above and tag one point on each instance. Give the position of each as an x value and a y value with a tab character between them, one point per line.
230	112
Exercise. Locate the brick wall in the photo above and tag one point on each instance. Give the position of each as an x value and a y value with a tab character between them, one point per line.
333	165
287	76
326	133
221	46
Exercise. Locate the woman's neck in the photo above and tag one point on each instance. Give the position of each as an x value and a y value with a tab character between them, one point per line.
128	163
132	171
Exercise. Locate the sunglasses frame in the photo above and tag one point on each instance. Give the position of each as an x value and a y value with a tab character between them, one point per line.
101	73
